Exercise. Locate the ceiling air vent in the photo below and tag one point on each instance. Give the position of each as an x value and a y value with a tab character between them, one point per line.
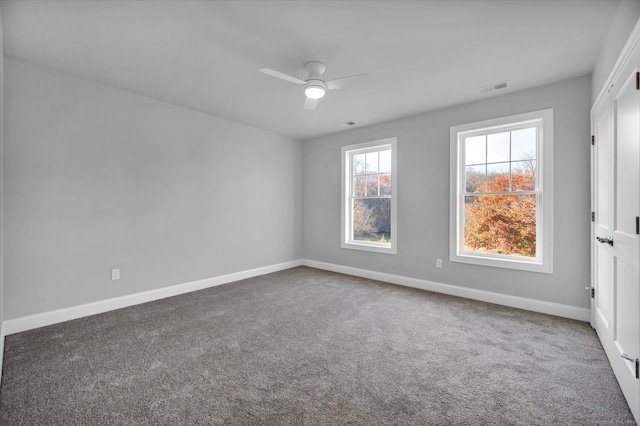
493	87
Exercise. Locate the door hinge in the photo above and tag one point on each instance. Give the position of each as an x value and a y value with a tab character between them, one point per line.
638	80
636	361
593	216
593	140
637	225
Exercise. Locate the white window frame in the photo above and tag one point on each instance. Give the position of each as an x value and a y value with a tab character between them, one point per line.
347	240
543	262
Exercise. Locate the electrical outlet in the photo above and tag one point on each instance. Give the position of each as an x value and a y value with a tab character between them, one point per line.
115	274
438	263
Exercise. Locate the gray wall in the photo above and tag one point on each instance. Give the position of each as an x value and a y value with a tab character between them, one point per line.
423	196
1	188
621	26
97	178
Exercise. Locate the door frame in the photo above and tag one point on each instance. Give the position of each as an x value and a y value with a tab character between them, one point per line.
631	47
632	43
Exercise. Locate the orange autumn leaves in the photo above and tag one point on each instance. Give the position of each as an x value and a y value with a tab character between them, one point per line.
502	223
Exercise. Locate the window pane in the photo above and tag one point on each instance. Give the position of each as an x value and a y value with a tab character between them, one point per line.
498	177
523	144
475	150
385	184
372	162
358	164
475	179
358	189
385	161
372	186
498	147
500	224
372	219
523	176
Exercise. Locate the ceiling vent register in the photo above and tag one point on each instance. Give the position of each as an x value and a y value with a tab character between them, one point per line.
493	87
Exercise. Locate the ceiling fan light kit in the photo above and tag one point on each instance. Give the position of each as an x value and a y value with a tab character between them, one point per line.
314	87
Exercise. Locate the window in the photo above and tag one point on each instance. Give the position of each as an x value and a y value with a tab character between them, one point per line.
501	192
369	196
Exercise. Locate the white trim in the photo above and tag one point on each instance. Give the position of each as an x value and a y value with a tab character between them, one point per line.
625	54
543	263
2	232
30	322
551	308
2	328
345	205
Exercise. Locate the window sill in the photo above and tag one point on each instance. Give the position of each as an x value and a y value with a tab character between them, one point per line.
517	264
373	247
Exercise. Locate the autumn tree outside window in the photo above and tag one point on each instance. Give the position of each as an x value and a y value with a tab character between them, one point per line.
501	192
368	196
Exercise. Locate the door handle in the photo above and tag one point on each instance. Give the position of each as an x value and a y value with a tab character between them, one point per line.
608	240
636	362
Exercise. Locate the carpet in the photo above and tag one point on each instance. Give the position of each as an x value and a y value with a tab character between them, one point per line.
311	347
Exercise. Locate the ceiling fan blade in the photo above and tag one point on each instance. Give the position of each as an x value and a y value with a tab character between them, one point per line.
282	76
310	103
341	83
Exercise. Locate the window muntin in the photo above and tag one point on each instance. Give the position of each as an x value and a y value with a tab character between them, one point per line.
369	221
502	206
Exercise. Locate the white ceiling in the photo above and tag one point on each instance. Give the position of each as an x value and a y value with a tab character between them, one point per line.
205	55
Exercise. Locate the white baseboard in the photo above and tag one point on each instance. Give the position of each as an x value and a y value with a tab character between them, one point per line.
53	317
551	308
1	349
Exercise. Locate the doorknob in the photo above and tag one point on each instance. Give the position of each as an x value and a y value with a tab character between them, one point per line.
608	240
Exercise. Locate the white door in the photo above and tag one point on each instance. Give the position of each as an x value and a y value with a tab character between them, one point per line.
616	251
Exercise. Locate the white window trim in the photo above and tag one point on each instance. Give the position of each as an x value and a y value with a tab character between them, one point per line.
346	207
544	161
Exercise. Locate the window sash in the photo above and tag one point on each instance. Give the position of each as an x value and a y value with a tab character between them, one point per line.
353	197
464	193
463	136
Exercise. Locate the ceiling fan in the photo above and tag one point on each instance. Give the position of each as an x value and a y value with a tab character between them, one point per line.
314	86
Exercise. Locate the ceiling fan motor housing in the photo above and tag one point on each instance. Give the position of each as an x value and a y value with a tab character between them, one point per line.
315	87
316	83
315	69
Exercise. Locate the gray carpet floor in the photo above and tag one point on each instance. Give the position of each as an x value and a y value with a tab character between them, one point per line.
310	347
